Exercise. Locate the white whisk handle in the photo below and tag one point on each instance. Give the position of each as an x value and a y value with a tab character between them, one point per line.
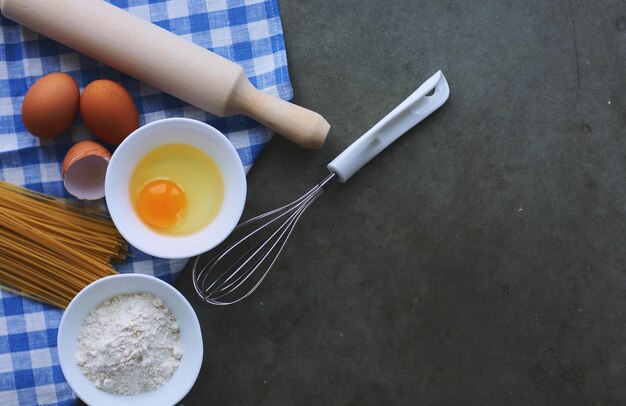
414	109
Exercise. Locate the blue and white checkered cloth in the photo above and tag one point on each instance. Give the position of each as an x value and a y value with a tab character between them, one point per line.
248	32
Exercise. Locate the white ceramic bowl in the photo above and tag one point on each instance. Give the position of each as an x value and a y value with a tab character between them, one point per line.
145	139
191	341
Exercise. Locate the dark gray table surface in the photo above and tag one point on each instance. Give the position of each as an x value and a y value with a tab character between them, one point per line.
481	259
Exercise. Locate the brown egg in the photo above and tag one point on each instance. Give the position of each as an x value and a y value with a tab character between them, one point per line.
108	111
84	169
50	105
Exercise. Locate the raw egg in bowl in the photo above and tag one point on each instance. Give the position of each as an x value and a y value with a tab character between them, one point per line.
175	188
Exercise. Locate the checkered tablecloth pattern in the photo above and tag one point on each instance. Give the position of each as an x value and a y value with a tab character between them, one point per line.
248	32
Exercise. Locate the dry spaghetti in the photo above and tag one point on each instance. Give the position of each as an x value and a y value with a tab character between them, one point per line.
51	248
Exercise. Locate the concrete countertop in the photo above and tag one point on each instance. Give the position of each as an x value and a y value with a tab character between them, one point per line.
481	259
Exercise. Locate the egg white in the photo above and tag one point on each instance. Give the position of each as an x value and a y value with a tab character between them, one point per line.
195	172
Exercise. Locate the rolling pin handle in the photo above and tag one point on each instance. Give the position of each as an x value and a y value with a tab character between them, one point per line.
304	127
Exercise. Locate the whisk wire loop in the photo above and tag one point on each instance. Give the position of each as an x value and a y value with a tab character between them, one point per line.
240	264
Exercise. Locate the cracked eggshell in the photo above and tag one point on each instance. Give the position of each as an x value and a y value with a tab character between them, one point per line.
84	169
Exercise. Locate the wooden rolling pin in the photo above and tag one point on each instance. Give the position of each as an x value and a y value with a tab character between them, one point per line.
165	61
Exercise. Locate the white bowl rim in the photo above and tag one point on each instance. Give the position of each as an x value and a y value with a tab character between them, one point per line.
177	247
194	329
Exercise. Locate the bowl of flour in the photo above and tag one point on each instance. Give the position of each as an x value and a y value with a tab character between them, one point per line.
130	339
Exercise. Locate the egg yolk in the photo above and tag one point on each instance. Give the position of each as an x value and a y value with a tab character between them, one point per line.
161	203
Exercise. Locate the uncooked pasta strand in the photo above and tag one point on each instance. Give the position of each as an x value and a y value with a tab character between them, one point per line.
51	248
60	303
100	247
46	240
44	262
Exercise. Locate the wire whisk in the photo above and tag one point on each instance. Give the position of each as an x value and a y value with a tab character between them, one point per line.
240	264
231	275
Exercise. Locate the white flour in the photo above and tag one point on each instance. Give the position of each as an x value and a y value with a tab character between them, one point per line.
129	344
